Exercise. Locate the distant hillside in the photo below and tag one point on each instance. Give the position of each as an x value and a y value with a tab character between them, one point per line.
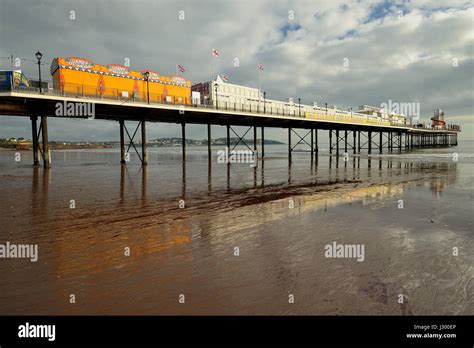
218	141
14	143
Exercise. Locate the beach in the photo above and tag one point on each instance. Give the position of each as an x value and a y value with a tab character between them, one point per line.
177	239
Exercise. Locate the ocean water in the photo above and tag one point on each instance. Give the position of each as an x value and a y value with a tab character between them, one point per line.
174	238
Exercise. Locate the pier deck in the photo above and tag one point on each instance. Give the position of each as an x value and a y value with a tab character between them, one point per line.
375	135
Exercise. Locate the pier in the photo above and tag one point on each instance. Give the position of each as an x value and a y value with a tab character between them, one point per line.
347	134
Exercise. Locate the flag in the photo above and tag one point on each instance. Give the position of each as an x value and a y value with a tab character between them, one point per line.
215	53
260	66
225	78
181	68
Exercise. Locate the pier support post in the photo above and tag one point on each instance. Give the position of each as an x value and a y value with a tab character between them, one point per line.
400	141
354	142
122	142
183	140
330	141
345	141
370	142
263	142
358	142
228	138
289	145
316	146
380	141
312	145
209	151
34	132
255	138
44	133
337	142
144	152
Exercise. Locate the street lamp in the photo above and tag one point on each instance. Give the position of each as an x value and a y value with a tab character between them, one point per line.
39	55
215	89
326	108
147	76
264	102
299	107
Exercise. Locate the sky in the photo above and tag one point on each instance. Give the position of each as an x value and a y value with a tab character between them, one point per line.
345	53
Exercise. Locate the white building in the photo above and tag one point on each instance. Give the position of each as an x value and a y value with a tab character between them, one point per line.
230	95
382	114
242	98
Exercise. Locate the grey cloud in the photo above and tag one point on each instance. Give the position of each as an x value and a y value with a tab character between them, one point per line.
403	60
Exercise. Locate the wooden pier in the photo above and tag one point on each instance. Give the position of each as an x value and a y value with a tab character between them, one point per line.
345	135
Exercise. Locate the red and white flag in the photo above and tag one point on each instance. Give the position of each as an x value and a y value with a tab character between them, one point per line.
260	66
225	78
215	53
181	68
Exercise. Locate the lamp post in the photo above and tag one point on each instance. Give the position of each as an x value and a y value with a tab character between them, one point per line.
147	76
39	55
264	102
326	108
215	90
299	107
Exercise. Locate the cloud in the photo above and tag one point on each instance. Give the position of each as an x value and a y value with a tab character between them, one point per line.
403	51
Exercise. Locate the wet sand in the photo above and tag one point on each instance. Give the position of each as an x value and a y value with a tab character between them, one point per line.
279	218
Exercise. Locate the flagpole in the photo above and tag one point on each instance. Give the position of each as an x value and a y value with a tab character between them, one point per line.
212	68
259	85
259	79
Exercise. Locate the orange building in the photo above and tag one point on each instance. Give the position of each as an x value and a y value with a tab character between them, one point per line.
79	76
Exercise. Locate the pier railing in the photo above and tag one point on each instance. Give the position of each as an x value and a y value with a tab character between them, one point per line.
293	110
